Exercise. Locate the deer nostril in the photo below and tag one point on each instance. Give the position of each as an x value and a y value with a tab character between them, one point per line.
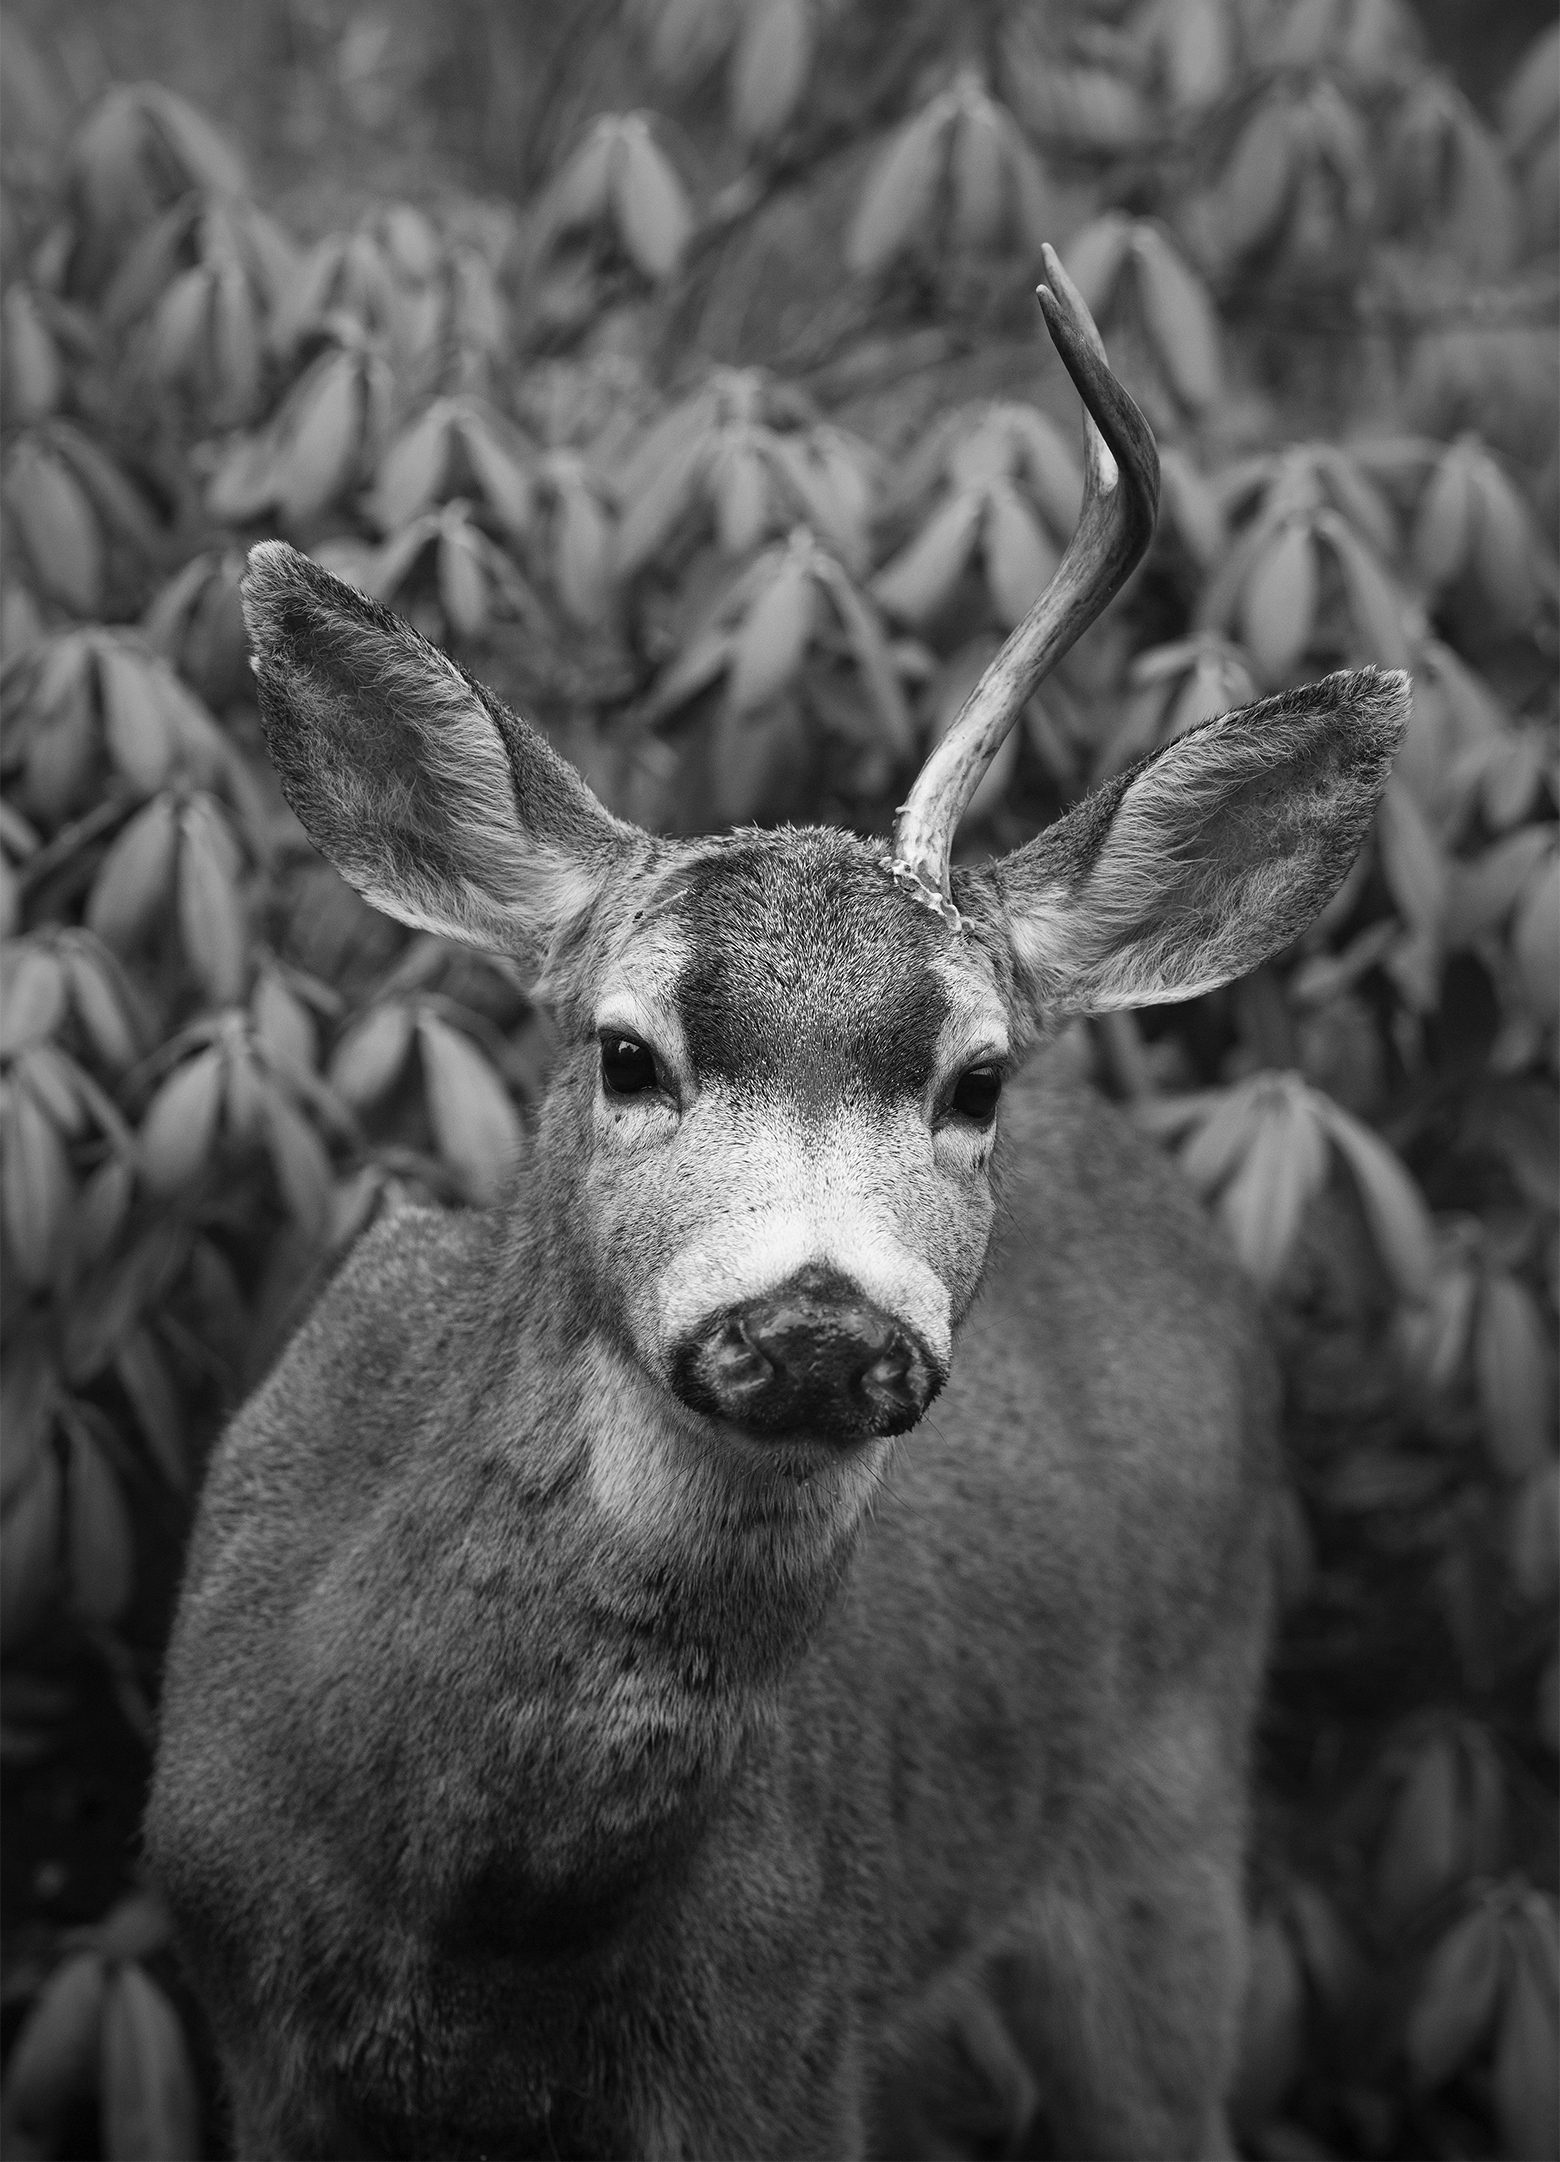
737	1359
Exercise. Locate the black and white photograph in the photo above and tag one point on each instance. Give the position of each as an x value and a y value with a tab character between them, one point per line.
779	1080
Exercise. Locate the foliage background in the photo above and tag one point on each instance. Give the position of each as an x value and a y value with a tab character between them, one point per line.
674	363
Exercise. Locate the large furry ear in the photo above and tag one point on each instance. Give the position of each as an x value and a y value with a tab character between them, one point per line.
429	796
1204	859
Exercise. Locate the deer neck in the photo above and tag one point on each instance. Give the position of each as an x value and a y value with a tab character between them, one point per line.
687	1566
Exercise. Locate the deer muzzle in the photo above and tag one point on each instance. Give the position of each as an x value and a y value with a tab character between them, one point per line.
813	1358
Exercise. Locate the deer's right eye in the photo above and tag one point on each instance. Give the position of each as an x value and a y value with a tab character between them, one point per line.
627	1066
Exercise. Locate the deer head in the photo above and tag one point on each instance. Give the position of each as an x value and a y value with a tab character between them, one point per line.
770	1134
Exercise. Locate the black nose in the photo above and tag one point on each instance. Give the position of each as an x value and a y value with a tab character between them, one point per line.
813	1357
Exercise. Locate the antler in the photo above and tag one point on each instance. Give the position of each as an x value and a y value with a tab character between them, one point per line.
1121	496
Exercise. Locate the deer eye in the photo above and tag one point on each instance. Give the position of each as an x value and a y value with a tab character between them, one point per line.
975	1094
627	1066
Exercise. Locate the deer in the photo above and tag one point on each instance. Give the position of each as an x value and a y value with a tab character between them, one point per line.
759	1635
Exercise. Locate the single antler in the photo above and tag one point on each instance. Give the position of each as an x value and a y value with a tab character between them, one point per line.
1121	497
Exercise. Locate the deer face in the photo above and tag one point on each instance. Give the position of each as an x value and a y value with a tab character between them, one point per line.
773	1128
792	1075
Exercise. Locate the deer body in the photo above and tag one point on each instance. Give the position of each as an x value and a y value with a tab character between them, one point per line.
752	1646
703	1921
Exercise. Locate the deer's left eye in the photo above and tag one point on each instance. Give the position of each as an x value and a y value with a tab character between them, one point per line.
627	1066
975	1094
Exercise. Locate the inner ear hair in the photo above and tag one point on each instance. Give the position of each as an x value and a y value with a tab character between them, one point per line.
439	805
1214	852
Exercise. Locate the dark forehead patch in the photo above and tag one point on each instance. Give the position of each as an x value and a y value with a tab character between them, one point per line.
807	971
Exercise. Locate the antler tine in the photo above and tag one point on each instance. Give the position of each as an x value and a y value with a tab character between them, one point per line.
1121	497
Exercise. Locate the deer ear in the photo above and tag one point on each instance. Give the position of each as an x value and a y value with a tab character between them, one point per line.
1208	856
431	798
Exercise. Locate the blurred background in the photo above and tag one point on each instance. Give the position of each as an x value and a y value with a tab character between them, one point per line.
675	364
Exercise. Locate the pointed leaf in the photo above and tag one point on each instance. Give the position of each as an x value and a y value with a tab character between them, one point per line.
773	641
211	915
368	1060
649	205
1399	1221
473	1119
151	2112
769	67
1455	2006
180	1124
1278	606
1020	560
914	585
100	1545
897	201
134	878
1179	315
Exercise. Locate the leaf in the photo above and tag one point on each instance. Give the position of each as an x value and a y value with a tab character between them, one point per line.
579	193
33	1005
501	476
1279	603
1533	1536
1258	183
284	1024
57	528
1511	1362
368	1060
585	554
180	1124
897	201
978	171
1020	561
1094	256
28	1389
1504	544
741	496
134	878
38	1189
773	641
100	1546
1195	42
474	1122
1180	319
1284	1167
1219	1142
54	2063
98	996
914	585
301	1164
769	67
413	468
649	206
320	452
151	2112
1272	2024
1411	856
29	1553
871	653
1455	2005
133	722
1421	1854
101	1209
143	1374
211	915
1399	1221
1527	2090
1535	940
34	376
1444	522
463	581
1377	609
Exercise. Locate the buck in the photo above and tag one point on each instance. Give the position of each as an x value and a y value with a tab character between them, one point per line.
760	1632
